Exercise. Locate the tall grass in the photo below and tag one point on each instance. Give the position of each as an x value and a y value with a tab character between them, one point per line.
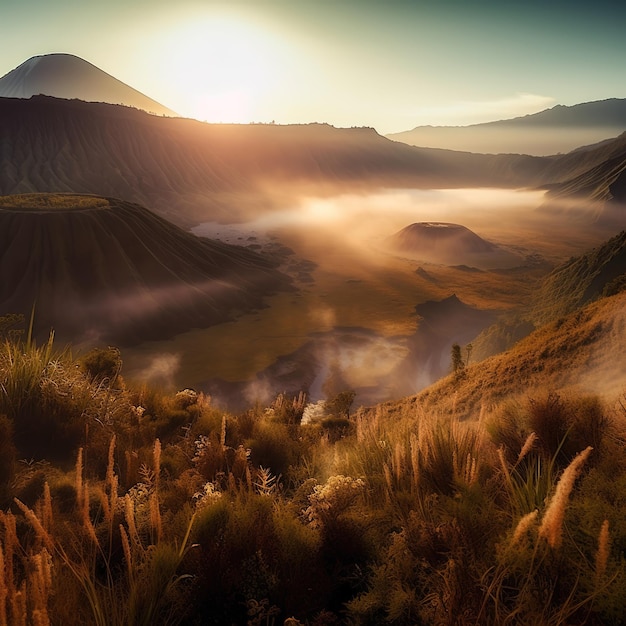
161	509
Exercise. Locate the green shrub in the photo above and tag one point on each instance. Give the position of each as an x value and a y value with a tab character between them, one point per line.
273	447
102	365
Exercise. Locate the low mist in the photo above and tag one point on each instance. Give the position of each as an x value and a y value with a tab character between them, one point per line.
350	326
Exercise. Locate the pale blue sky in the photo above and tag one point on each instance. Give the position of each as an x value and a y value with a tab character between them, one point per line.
388	64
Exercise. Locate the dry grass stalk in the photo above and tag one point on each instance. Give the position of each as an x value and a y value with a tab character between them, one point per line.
552	523
40	587
86	519
104	503
113	496
79	477
11	545
157	459
47	516
604	547
523	526
4	592
111	463
40	531
19	615
129	511
127	550
528	446
155	516
414	443
471	470
398	461
223	432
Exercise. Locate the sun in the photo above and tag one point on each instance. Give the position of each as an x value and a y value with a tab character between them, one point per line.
227	68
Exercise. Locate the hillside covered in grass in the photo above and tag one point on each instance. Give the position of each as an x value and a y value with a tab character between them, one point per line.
581	280
565	290
122	504
584	352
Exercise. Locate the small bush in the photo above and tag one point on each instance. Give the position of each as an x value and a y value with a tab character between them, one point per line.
102	365
273	447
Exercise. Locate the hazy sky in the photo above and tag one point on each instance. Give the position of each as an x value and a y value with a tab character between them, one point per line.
390	64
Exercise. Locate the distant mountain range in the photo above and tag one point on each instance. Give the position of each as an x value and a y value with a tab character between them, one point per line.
68	76
556	130
191	172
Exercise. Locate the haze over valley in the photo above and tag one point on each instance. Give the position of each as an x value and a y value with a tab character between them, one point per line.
352	221
312	313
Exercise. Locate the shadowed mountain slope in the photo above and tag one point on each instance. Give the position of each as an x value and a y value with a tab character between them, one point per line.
69	76
590	181
99	268
559	129
581	280
190	171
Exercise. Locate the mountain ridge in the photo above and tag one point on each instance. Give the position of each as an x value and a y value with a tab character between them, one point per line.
559	129
190	171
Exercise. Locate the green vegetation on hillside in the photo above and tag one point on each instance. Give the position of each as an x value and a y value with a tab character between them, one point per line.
125	505
581	280
570	286
53	202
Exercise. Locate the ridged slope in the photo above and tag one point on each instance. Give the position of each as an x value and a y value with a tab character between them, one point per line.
191	172
99	267
580	280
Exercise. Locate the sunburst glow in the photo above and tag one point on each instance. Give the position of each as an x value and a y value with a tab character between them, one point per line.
233	65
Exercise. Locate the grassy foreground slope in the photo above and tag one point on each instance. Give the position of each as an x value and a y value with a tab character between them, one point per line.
138	506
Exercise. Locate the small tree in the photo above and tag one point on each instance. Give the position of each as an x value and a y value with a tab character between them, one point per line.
458	365
339	405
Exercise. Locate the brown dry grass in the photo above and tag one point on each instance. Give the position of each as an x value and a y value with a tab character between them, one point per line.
585	351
